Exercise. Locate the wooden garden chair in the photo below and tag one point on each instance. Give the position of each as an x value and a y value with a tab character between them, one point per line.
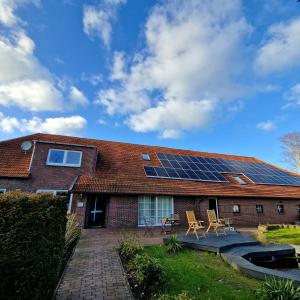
194	224
214	222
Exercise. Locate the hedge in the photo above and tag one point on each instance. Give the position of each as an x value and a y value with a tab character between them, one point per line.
32	230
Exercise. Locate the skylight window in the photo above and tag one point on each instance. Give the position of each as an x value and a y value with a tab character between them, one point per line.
238	179
145	156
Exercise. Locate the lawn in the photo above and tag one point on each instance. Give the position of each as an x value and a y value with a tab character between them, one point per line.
202	275
283	236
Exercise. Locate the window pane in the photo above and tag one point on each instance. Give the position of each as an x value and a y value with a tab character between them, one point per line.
56	156
73	158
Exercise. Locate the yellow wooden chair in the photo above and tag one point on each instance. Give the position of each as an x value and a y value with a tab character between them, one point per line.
214	222
194	224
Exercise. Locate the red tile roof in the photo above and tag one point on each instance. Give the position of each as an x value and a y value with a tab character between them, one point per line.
120	170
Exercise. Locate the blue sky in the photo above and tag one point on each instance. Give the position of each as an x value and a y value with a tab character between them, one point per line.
211	75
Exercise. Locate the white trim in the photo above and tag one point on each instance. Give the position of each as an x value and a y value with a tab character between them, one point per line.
64	164
70	203
32	155
2	190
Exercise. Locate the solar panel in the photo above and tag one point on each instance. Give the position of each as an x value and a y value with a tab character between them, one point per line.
198	168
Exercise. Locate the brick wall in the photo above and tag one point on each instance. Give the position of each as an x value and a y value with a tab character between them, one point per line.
51	177
248	215
181	205
122	211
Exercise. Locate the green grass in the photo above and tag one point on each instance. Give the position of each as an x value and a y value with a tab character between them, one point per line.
284	236
202	275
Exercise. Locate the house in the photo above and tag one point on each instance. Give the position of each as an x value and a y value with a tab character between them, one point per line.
116	184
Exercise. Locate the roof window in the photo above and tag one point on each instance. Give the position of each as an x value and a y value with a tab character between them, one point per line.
145	156
238	179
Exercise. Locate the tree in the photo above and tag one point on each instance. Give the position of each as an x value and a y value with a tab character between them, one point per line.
291	148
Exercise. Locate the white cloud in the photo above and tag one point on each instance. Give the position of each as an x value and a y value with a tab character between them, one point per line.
7	11
93	79
188	68
266	126
77	97
293	96
33	95
280	51
101	122
118	68
98	19
173	116
60	125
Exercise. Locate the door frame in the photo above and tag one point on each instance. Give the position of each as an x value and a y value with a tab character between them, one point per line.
217	205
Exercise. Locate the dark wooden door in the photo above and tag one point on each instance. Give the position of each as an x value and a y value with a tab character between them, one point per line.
96	212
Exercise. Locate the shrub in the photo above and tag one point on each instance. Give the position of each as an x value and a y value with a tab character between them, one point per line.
129	246
72	232
277	289
32	240
174	245
145	275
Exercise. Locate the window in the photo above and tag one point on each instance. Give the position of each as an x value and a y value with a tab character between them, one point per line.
2	191
55	192
280	209
259	209
145	156
298	209
69	158
238	179
236	208
154	208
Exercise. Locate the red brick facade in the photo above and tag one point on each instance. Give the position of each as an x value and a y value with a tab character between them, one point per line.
122	211
51	177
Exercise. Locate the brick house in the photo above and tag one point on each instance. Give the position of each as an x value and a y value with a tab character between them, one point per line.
116	184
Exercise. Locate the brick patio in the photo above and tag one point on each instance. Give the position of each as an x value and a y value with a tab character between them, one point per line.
95	270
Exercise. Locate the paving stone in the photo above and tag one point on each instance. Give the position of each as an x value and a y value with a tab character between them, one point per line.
95	270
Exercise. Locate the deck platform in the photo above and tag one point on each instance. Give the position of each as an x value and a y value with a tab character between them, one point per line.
214	243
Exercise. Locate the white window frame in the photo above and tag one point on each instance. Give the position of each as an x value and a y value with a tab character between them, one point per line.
238	210
156	210
64	164
2	190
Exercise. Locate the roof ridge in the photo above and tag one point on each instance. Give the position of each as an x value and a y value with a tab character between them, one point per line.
143	145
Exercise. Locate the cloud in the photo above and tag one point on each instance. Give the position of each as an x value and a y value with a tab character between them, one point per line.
77	97
193	56
118	68
280	51
7	11
60	125
38	95
98	19
101	122
93	79
266	126
173	116
293	96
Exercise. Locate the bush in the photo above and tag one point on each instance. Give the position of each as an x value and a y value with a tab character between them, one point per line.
72	232
173	244
277	289
129	246
182	296
32	241
145	275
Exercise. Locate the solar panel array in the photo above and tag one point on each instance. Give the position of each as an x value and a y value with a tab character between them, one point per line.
199	168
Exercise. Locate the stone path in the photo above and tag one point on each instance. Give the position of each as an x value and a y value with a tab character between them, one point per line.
95	270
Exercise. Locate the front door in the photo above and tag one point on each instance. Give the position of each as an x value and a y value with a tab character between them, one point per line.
96	212
213	204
